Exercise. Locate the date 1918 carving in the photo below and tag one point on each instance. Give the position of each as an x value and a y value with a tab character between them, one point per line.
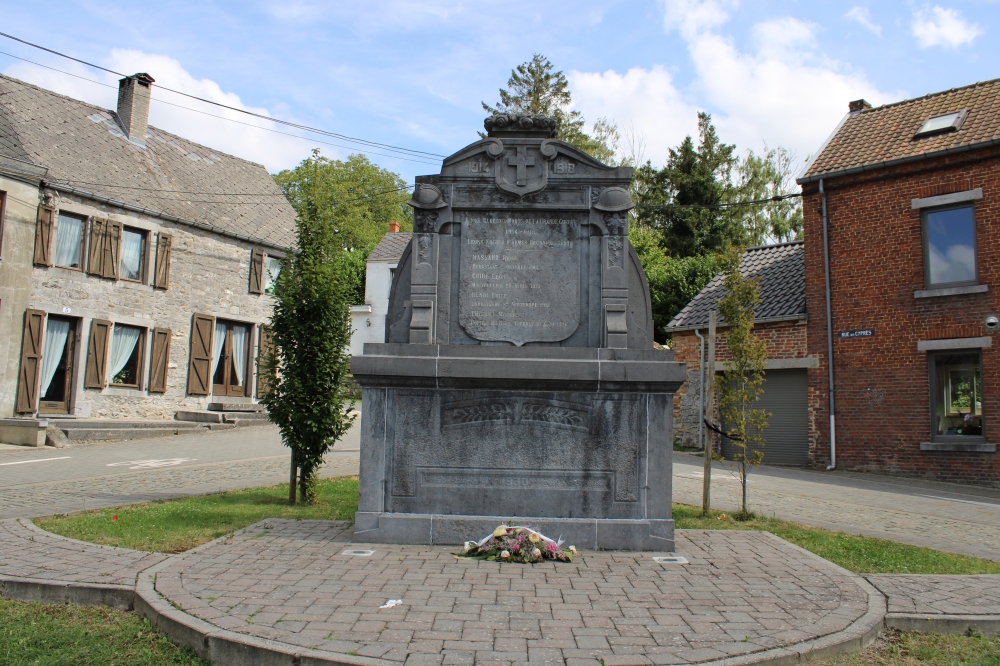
519	279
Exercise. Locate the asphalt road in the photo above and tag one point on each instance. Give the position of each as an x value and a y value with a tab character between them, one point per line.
36	482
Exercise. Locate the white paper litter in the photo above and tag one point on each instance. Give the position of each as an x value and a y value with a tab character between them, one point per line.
391	603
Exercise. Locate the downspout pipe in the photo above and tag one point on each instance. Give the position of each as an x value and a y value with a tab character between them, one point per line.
829	329
701	391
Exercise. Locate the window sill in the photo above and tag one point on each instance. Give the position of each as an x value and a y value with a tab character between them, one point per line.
952	291
132	392
966	447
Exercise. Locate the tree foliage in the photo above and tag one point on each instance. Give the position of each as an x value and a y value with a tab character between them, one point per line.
690	201
535	87
743	379
307	396
356	197
673	281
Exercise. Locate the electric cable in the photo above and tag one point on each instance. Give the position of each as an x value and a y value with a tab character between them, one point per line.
342	137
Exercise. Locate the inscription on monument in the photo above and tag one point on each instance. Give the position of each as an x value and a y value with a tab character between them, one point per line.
519	279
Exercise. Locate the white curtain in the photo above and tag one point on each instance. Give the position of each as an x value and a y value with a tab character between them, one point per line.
122	344
131	254
240	351
271	271
220	341
52	351
68	241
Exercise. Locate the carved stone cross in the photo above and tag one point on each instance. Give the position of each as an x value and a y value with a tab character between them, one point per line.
521	162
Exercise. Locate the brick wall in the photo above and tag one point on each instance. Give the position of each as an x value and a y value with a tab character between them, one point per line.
785	340
876	264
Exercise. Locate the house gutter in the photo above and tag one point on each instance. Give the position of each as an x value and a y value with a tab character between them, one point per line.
163	216
829	329
701	390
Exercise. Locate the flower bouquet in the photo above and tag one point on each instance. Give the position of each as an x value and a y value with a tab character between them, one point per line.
510	543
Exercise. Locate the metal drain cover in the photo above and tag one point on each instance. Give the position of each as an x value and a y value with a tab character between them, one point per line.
671	559
359	553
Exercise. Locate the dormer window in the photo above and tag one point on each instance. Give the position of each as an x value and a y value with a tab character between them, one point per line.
948	122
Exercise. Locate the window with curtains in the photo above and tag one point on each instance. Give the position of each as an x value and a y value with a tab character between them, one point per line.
272	267
126	357
69	241
133	257
956	395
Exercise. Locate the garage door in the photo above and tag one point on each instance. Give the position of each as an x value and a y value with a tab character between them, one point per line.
787	432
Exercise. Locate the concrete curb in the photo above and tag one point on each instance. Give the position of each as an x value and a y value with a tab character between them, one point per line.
121	597
987	625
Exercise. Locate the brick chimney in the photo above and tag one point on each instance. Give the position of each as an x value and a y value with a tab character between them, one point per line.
133	106
858	105
393	227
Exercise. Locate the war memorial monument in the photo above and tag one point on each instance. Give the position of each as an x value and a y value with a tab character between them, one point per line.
518	379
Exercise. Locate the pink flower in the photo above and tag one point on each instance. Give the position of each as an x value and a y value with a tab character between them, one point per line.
551	547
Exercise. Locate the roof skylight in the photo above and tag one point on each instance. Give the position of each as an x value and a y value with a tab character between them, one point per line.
948	122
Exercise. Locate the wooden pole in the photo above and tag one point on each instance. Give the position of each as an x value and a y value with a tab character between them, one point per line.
706	488
291	480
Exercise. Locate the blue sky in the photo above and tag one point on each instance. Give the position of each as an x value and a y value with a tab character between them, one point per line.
413	74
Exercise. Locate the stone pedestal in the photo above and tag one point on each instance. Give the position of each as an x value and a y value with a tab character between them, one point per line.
518	379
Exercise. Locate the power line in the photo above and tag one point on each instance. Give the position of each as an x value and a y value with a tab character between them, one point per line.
342	137
721	206
231	120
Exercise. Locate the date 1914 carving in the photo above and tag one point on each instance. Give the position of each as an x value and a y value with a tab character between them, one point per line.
519	278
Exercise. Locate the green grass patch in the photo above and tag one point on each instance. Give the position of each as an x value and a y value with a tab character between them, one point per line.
895	649
173	526
48	634
860	554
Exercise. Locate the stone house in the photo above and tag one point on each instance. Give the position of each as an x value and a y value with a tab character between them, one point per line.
134	265
368	319
782	321
903	206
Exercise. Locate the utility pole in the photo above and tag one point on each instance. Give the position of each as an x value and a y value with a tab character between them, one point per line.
709	388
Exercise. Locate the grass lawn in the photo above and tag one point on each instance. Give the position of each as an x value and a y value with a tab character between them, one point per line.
48	634
173	526
895	649
859	554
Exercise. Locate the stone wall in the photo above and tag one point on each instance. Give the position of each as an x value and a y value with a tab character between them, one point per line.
876	265
15	281
209	274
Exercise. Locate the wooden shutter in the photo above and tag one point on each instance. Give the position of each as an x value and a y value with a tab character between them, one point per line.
257	272
43	235
95	247
97	353
112	249
31	361
159	358
161	271
265	348
200	361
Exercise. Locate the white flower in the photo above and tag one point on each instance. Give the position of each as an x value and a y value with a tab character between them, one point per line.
572	549
469	545
536	553
504	555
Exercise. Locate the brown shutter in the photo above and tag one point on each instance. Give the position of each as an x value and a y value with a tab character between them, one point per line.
265	348
43	236
159	358
95	248
31	361
97	353
256	271
200	361
112	249
161	272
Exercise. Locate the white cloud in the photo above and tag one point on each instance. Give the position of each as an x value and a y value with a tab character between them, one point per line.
863	16
941	26
645	99
781	91
274	151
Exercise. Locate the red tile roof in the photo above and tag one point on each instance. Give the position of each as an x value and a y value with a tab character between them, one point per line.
874	137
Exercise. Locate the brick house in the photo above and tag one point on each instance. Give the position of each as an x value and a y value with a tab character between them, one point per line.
904	198
782	321
134	264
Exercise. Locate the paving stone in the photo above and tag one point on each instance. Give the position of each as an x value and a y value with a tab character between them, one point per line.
940	595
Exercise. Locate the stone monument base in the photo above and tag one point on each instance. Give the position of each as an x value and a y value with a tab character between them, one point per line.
573	442
451	530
